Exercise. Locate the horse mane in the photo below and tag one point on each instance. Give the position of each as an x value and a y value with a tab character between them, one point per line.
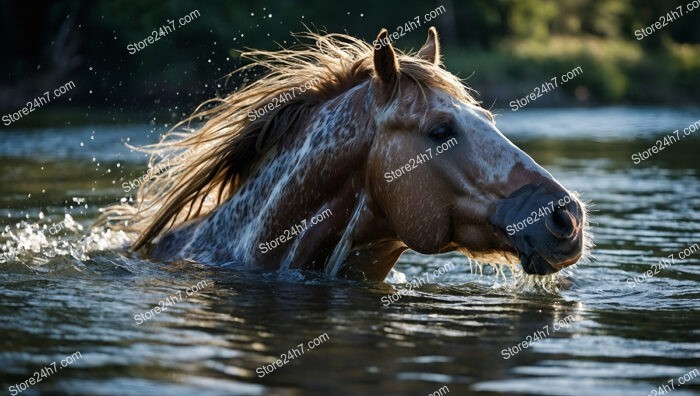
223	150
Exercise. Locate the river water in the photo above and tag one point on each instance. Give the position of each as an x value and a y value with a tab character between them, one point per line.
601	328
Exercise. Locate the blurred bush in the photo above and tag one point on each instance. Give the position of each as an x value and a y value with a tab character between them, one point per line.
509	46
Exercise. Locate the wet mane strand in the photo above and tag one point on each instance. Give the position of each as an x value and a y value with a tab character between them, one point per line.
223	151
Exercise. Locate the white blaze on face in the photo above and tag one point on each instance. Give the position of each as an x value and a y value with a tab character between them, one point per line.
489	150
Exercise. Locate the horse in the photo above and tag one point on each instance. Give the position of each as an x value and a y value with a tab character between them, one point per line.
386	151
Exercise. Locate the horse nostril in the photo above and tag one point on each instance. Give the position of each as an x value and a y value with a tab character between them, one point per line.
561	223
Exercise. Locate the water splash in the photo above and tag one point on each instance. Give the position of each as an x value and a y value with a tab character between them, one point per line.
511	278
35	245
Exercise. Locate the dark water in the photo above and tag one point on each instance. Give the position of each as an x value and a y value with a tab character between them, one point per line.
70	290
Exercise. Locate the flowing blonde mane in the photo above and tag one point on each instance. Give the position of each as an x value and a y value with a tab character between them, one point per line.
221	152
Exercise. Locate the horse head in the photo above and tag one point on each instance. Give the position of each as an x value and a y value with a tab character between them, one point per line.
445	178
393	148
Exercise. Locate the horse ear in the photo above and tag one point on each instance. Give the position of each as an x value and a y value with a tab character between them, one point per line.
431	48
385	65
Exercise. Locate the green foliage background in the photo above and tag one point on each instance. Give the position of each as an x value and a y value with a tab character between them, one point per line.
504	47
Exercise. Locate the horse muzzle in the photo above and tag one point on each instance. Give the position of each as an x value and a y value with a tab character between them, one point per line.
544	225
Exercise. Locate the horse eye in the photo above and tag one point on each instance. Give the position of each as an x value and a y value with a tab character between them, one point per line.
441	132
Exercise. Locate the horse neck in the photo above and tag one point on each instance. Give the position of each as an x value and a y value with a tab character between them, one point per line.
323	167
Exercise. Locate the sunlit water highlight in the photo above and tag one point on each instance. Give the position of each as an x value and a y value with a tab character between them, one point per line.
71	288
